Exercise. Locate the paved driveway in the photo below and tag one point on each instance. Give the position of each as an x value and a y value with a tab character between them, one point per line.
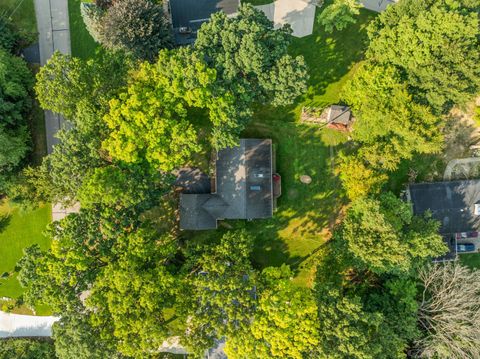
16	325
300	14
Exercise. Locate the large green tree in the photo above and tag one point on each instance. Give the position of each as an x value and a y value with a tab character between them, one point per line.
339	14
68	85
16	82
149	121
81	246
285	321
251	57
138	27
221	291
383	235
434	44
80	91
130	296
75	338
366	321
389	125
26	349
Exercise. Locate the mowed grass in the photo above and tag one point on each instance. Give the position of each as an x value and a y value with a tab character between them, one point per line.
82	43
305	214
18	231
471	260
21	12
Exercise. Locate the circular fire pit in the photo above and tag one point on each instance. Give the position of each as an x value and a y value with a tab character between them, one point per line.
305	179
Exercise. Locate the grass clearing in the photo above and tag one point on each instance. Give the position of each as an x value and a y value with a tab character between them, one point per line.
18	231
305	213
83	45
21	12
471	260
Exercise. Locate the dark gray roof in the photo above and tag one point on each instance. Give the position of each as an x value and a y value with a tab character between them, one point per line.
192	180
193	13
244	179
243	187
452	203
340	114
192	213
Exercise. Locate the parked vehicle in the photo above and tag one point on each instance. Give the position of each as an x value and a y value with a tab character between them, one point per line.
465	247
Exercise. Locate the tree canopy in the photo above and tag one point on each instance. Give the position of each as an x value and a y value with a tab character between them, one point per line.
339	14
26	349
390	126
220	299
284	325
251	58
149	121
383	235
434	44
16	82
138	27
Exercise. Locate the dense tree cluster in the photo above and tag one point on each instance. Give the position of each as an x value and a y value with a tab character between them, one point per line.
434	45
117	271
16	81
382	235
26	349
122	276
422	59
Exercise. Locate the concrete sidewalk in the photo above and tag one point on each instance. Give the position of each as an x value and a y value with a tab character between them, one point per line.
53	35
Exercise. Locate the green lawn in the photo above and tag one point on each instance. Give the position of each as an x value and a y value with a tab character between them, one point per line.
19	230
471	260
82	43
305	213
22	13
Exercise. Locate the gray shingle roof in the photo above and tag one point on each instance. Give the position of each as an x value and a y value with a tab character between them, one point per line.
340	114
193	13
452	203
243	187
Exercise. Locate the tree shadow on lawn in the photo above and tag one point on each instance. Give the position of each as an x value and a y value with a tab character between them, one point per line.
5	219
330	57
305	213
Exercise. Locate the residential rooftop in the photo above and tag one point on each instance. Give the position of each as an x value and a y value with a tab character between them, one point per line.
452	203
243	188
191	14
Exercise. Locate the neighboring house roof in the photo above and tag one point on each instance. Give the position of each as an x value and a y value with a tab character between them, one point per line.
193	13
243	188
452	203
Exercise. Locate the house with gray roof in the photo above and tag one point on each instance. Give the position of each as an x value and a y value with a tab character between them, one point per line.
188	15
456	204
243	187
